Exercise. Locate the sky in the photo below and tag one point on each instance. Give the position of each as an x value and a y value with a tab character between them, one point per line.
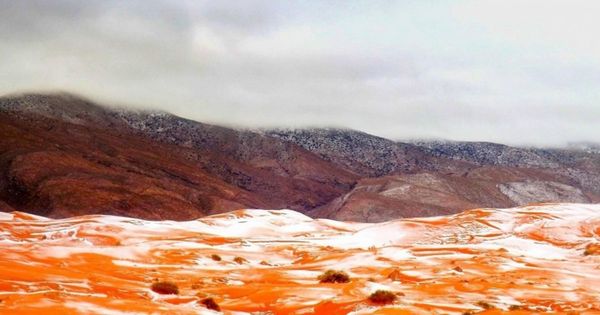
511	71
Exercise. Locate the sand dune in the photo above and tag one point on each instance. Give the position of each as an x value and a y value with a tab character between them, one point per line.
524	260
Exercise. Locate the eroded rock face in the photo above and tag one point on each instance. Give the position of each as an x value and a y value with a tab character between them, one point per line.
541	191
430	194
411	195
578	166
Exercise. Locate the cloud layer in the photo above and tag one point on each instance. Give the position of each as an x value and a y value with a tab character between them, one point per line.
518	72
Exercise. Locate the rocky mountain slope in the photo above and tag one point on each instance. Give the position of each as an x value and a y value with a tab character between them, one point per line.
60	169
578	166
520	261
439	177
365	155
62	155
430	194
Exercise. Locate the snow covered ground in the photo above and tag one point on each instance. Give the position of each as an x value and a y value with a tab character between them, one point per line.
521	260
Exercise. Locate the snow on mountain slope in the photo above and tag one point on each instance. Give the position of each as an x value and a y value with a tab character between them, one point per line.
524	260
62	155
357	151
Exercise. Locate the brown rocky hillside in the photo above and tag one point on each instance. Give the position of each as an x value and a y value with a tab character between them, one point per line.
62	155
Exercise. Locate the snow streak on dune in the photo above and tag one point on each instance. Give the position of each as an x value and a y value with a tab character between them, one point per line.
525	260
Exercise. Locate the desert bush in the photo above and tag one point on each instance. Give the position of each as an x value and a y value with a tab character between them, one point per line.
592	249
240	260
382	297
215	257
516	307
210	304
165	287
485	305
334	276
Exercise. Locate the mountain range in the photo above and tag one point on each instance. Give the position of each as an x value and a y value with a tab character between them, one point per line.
62	155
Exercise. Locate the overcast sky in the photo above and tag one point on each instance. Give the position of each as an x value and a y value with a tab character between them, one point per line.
517	72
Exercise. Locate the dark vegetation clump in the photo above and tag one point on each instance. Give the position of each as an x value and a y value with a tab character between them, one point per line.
382	297
485	305
334	276
240	260
592	249
196	286
165	287
215	257
210	304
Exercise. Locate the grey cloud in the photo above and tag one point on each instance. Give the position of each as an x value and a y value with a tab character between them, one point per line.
378	66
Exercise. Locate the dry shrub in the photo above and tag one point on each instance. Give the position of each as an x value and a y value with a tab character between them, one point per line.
592	249
334	276
382	297
165	287
210	304
485	305
240	260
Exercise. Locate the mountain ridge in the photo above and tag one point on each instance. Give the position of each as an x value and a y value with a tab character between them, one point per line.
330	172
525	260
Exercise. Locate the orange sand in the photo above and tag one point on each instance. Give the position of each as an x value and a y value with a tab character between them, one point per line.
529	258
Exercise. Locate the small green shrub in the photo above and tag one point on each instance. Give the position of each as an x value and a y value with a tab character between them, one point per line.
382	297
334	276
165	287
210	304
